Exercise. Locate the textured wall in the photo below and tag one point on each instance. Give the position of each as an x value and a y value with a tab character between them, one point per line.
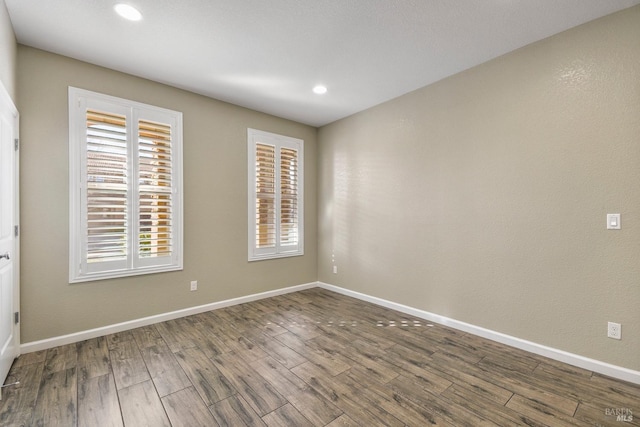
7	52
483	197
215	204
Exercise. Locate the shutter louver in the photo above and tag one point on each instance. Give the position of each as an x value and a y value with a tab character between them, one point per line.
288	197
106	177
155	189
265	196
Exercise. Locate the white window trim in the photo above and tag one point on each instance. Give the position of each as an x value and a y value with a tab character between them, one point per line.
77	151
279	141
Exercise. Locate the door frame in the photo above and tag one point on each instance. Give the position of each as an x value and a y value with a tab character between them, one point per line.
7	102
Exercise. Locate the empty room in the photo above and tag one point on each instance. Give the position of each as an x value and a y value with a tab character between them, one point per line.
320	213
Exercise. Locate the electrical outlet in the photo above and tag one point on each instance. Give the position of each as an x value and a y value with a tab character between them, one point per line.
335	269
194	285
614	330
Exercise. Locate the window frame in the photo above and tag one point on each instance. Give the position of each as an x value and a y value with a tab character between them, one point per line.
255	137
80	270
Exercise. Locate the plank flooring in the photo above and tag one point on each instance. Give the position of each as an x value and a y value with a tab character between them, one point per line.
310	358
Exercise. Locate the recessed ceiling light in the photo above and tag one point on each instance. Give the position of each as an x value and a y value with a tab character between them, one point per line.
128	12
320	89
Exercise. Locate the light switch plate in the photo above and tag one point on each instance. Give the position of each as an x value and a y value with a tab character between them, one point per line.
613	221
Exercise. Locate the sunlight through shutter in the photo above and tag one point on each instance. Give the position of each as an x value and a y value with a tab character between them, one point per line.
155	189
288	197
265	196
106	177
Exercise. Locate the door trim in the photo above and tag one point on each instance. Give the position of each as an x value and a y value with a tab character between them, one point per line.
5	100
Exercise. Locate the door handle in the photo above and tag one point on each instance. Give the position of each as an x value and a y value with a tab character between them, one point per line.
6	255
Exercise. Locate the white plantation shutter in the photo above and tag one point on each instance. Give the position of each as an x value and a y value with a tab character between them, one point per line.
125	187
265	181
288	197
106	189
155	189
275	196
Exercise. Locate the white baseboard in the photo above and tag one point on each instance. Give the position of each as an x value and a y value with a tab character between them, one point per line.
614	371
132	324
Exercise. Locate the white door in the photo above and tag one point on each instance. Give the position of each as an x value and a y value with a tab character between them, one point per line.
9	243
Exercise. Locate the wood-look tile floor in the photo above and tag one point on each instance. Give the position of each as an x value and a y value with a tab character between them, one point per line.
311	358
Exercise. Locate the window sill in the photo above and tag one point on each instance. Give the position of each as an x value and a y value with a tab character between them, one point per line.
275	256
123	273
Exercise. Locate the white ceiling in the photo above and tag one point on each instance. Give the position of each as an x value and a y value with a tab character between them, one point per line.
268	54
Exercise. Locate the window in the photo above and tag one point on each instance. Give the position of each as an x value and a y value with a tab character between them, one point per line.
276	199
125	181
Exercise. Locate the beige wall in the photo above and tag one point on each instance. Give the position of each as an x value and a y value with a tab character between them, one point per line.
215	182
7	52
483	197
